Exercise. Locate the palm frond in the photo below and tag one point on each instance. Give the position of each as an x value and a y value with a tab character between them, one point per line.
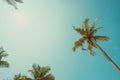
2	52
45	70
35	70
90	47
85	25
4	64
79	30
93	31
79	43
91	41
101	38
3	55
49	77
95	21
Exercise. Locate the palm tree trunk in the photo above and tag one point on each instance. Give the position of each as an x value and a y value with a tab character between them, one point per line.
108	58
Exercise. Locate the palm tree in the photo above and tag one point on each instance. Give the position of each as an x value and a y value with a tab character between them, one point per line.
3	54
19	77
88	35
41	73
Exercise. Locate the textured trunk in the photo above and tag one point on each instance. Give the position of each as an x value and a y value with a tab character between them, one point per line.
108	58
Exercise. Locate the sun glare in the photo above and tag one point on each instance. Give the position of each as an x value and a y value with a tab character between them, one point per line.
20	17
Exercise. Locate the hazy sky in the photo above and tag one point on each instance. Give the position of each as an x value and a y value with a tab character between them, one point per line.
40	31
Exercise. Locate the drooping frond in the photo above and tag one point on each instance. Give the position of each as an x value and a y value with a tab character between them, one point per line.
4	64
101	38
79	43
90	47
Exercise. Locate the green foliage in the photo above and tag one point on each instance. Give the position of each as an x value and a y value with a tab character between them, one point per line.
41	73
38	73
88	35
3	54
79	30
79	43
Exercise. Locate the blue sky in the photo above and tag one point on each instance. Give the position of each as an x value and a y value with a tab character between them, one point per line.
45	36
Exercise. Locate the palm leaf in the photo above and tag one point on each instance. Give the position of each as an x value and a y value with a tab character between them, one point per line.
101	38
96	29
45	70
95	21
85	25
4	64
93	31
48	77
79	30
3	55
79	43
90	47
2	52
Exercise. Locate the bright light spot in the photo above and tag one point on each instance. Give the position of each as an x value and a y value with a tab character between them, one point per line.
20	17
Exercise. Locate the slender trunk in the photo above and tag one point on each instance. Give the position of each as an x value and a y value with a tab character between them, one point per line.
108	58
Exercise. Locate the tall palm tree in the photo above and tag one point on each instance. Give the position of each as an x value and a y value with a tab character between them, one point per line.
88	35
3	54
41	73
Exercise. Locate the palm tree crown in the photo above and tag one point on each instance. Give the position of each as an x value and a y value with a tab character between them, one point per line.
88	35
41	73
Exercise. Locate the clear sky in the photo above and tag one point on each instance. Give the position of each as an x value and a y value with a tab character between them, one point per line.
40	31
